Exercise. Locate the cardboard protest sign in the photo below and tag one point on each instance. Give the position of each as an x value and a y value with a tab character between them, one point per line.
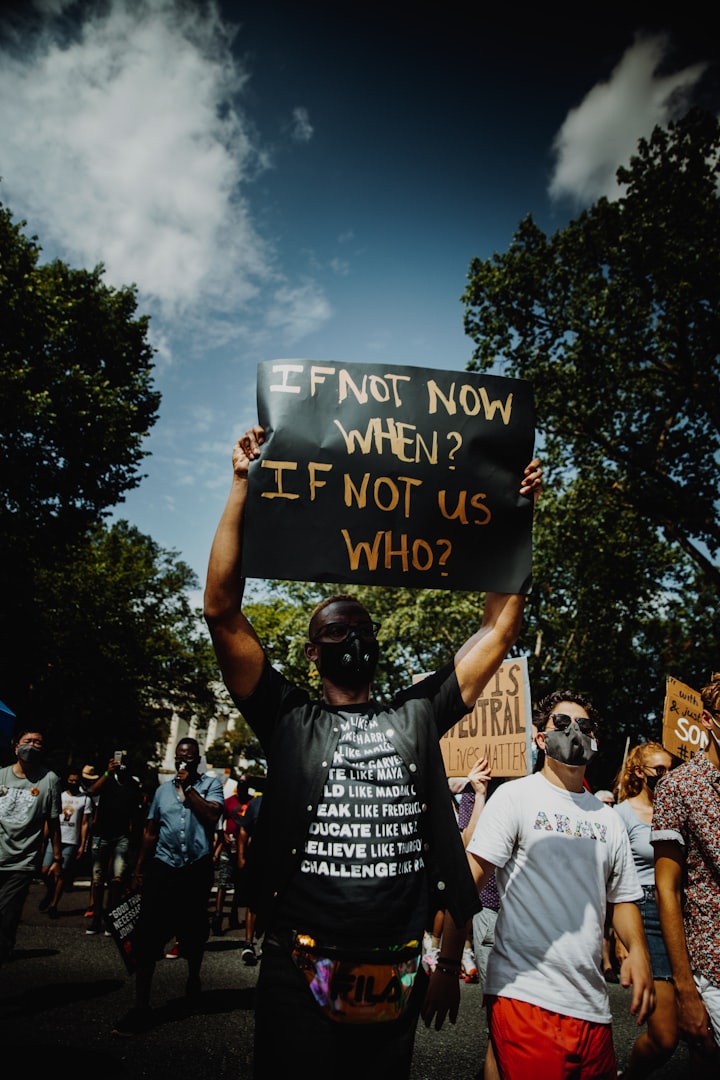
498	728
390	475
683	734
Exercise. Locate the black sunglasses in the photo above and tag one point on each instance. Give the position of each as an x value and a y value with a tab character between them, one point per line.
339	631
562	722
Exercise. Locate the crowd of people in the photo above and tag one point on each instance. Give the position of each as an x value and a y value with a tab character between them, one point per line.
373	890
167	849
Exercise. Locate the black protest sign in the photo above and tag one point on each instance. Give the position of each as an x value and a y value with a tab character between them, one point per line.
121	922
390	475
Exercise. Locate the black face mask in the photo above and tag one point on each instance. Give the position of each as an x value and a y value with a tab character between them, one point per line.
190	765
570	747
652	781
350	663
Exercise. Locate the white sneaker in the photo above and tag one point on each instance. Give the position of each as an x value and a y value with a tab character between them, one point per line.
468	966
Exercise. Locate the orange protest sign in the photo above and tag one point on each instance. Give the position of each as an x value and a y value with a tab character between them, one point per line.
683	734
498	728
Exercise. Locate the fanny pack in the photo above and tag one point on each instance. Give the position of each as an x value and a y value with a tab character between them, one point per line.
358	986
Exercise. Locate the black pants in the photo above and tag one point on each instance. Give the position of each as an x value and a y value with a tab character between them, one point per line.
174	904
292	1034
14	887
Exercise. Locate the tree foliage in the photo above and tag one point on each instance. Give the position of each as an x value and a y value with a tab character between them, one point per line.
615	321
76	397
120	650
100	645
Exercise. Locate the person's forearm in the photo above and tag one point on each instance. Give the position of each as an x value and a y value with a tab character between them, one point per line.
147	847
208	812
224	586
451	944
55	841
94	790
628	926
478	805
669	878
479	658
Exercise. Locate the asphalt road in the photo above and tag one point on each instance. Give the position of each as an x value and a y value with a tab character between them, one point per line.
63	990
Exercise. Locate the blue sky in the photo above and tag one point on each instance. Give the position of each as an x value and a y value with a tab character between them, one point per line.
311	179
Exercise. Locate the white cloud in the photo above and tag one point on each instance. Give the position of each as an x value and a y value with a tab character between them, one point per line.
123	141
302	129
603	131
341	267
296	311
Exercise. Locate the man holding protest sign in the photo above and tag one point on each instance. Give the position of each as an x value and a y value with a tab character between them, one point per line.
356	841
686	838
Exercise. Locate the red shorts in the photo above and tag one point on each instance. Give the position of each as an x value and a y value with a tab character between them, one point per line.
530	1041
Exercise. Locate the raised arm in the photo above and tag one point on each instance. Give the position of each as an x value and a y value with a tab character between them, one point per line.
479	658
238	650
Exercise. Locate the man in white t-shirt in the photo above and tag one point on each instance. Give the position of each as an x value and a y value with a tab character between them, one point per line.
560	857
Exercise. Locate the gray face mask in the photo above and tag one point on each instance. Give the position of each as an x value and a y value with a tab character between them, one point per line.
29	755
570	747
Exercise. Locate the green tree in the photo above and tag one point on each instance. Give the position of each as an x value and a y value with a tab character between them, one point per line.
100	644
76	402
120	649
76	397
615	321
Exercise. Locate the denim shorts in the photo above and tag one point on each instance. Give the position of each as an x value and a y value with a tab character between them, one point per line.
112	853
656	946
69	851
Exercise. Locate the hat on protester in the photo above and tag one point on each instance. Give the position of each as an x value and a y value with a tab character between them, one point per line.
89	773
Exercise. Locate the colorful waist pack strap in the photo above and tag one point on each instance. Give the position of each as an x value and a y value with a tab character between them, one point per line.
367	986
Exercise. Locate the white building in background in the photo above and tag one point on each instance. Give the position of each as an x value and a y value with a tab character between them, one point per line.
218	727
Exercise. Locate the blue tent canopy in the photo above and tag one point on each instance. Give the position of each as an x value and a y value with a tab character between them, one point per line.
7	718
